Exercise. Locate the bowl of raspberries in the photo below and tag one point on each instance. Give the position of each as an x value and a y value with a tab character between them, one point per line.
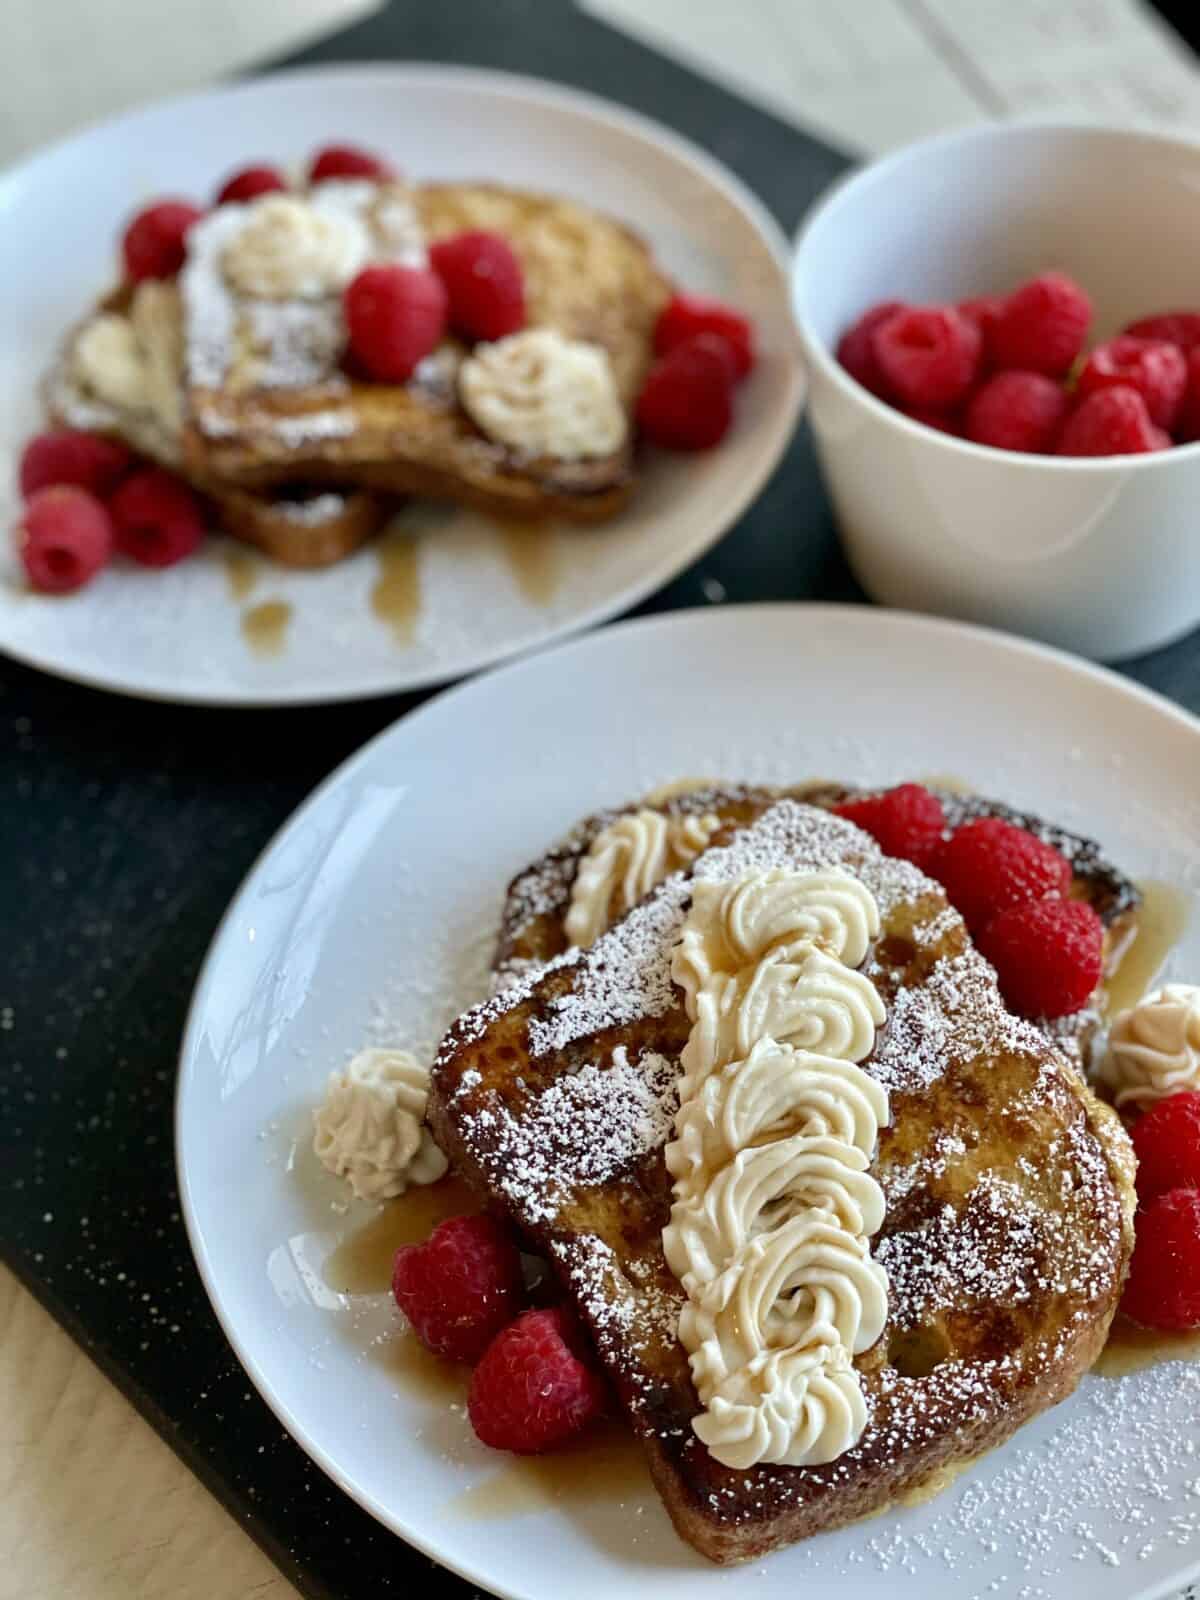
1002	329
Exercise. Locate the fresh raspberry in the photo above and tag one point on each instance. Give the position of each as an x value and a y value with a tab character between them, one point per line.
1018	411
394	316
155	242
686	314
1163	1288
65	536
68	456
1187	424
535	1387
929	355
1042	327
856	352
1176	327
1156	369
156	518
1111	422
347	161
1047	955
249	183
984	311
988	865
460	1287
686	402
906	821
1166	1141
484	284
950	422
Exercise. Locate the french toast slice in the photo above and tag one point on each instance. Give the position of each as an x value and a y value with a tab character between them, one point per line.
294	525
1008	1186
586	276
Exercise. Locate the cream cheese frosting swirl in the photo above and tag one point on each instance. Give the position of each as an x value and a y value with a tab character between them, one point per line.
1154	1047
628	859
774	1203
370	1128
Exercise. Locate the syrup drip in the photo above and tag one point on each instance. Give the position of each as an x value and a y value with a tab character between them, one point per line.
265	627
396	595
362	1264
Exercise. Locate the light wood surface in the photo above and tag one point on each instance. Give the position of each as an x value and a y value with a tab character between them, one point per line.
93	1505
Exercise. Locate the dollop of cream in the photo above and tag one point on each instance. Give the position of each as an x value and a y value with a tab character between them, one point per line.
289	248
628	859
544	395
774	1202
1154	1047
134	362
371	1130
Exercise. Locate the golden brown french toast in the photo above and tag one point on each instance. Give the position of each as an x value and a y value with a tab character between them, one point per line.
586	277
1008	1186
128	386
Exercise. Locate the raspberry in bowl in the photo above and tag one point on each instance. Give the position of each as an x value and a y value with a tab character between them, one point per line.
999	329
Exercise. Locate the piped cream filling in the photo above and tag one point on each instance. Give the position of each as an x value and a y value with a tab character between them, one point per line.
774	1202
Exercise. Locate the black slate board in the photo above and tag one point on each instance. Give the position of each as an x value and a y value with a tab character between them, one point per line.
125	828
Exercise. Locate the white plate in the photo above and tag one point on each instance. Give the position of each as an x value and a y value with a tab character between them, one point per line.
179	635
370	916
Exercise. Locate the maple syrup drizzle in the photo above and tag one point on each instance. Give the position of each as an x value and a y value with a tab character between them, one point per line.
1130	1348
396	595
362	1263
604	1464
265	627
1159	924
242	570
532	554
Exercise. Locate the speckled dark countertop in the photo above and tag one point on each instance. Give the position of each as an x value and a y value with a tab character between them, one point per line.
125	828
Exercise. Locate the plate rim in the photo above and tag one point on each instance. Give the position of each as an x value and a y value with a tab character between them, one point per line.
775	432
914	623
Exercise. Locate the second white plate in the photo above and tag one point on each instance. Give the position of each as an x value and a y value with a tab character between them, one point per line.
372	915
480	593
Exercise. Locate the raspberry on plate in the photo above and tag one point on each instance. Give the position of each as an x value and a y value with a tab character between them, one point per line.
984	311
1156	369
65	536
249	183
1048	955
988	865
460	1287
929	355
535	1388
1111	422
347	161
1043	325
66	455
484	284
1018	411
1176	327
950	422
1187	424
1166	1141
394	317
686	402
686	314
856	352
906	821
157	520
155	242
1163	1288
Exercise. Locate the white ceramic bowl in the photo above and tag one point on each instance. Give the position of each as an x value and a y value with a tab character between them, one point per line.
1099	555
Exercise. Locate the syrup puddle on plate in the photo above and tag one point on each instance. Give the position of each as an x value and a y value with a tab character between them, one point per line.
1160	922
362	1263
1130	1348
531	550
242	570
265	627
396	595
604	1465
